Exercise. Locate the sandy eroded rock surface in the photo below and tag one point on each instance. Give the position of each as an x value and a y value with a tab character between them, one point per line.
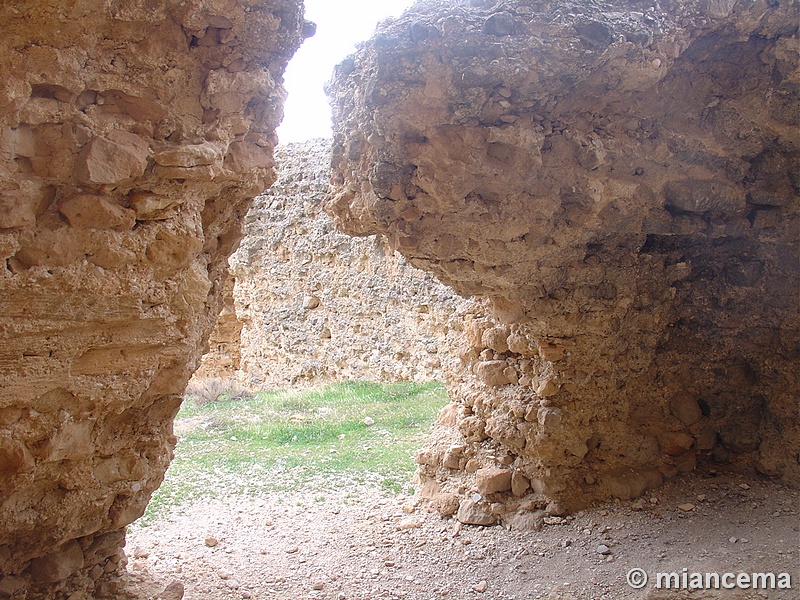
132	137
618	182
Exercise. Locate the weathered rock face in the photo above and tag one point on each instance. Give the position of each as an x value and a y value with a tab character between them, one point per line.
619	184
132	136
314	305
224	354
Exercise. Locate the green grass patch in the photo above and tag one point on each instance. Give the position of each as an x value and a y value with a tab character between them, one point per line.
285	441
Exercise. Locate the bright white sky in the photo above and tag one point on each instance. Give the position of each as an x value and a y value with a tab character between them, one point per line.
340	25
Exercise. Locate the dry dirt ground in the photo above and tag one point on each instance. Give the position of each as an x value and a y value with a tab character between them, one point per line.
358	544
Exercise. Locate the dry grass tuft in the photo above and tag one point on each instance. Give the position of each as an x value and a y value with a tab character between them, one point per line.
202	390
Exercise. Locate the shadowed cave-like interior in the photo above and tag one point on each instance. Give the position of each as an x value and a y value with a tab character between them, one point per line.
614	184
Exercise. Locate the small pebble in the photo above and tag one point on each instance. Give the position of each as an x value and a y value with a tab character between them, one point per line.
686	507
211	541
603	549
407	524
482	586
174	591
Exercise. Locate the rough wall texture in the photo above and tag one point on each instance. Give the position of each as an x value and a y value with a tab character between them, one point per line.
132	135
315	305
618	181
224	355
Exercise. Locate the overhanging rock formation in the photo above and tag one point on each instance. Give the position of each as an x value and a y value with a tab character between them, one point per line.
132	136
618	182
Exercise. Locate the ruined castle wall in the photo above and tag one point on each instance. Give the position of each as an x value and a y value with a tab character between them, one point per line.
315	305
132	136
224	355
619	183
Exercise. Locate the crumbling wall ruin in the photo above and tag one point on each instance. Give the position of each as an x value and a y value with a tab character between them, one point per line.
132	136
224	354
314	305
618	182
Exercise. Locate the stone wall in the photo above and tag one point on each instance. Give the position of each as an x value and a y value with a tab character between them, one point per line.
619	183
132	136
315	305
224	354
